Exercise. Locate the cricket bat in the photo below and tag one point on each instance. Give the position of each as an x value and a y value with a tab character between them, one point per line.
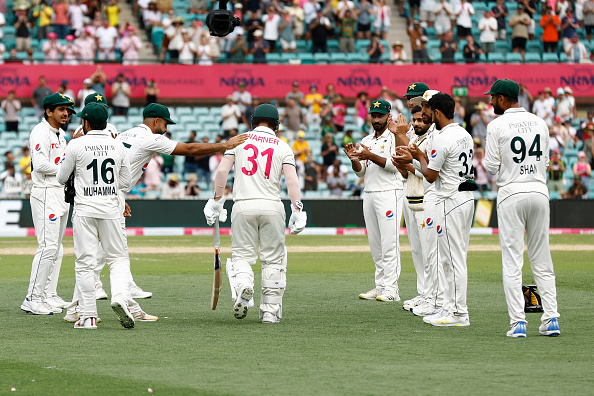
217	281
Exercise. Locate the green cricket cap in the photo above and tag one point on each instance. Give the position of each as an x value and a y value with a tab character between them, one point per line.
96	98
504	87
58	99
380	106
155	110
94	112
416	89
266	110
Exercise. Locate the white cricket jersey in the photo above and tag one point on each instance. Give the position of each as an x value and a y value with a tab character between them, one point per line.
518	148
141	144
259	165
424	145
110	128
451	156
101	169
376	177
47	146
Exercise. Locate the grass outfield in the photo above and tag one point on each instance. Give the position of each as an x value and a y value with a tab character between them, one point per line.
328	342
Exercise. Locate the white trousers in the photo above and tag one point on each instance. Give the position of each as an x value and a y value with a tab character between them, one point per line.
414	220
258	224
382	212
454	220
530	212
50	215
101	259
434	278
87	232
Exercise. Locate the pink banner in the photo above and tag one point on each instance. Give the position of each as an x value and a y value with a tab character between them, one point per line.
274	81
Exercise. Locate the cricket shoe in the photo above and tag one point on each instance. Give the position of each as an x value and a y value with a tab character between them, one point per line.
268	317
242	304
451	320
136	292
388	296
408	304
57	302
518	330
371	294
73	317
36	307
142	316
86	323
425	308
437	315
550	328
124	316
100	294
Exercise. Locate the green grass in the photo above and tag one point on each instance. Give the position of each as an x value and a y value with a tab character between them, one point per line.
329	342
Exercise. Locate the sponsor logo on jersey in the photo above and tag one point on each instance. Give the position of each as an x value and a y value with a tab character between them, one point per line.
433	153
439	229
429	221
389	214
53	217
144	167
57	160
37	147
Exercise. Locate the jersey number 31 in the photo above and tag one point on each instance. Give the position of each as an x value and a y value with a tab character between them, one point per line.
252	158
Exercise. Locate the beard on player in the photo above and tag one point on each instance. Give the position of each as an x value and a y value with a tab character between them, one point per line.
380	126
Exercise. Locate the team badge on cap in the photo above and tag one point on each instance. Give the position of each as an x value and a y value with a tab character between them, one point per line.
380	106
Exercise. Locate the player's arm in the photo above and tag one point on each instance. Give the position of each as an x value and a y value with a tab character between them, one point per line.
429	173
492	152
298	218
208	148
125	176
40	158
67	166
221	177
399	127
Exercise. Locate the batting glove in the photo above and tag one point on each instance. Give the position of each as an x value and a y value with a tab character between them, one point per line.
298	218
213	210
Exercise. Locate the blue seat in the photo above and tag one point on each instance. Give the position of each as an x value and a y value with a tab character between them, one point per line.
550	58
532	58
495	57
338	58
514	57
322	58
273	58
306	58
288	57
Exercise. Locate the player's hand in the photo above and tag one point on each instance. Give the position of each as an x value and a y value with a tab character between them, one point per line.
127	210
236	141
350	151
403	156
214	209
415	151
78	134
363	153
298	219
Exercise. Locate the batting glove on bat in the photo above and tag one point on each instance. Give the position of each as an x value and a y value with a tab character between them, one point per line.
213	210
298	218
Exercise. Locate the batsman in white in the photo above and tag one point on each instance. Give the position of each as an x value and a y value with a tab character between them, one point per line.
258	216
48	207
518	152
449	166
101	169
382	202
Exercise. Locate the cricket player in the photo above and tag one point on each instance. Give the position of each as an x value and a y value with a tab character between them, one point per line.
48	208
382	203
258	215
101	169
449	166
518	152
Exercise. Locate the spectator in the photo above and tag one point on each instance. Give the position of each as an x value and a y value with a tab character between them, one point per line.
459	111
348	138
414	4
231	115
120	91
259	48
61	21
192	188
272	22
488	27
346	22
329	153
9	158
555	170
577	190
191	162
11	106
287	33
582	169
563	106
151	17
463	12
417	42
337	164
85	91
313	101
326	115
45	20
361	107
297	17
243	99
173	188
479	121
543	106
2	51
398	54
106	37
64	90
519	24
550	24
279	134
168	160
129	46
87	47
561	8
12	183
310	174
188	49
375	50
12	56
588	138
576	51
301	147
557	135
472	51
152	174
174	34
203	166
427	12
500	13
363	13
589	18
295	94
336	183
112	10
571	99
151	92
39	94
23	34
25	163
52	49
320	30
330	93
381	20
238	50
292	118
448	47
213	163
339	110
480	172
76	13
524	98
253	25
198	6
70	51
443	13
569	25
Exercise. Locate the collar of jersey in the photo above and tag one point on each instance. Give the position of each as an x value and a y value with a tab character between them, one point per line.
98	132
264	130
382	135
515	110
145	127
447	126
51	128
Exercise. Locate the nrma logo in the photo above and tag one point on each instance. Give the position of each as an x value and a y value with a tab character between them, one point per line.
10	79
249	81
358	81
475	80
133	81
581	81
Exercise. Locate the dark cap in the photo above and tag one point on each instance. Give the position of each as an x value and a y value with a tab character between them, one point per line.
296	83
416	89
380	106
94	112
58	99
504	87
242	84
96	98
155	110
